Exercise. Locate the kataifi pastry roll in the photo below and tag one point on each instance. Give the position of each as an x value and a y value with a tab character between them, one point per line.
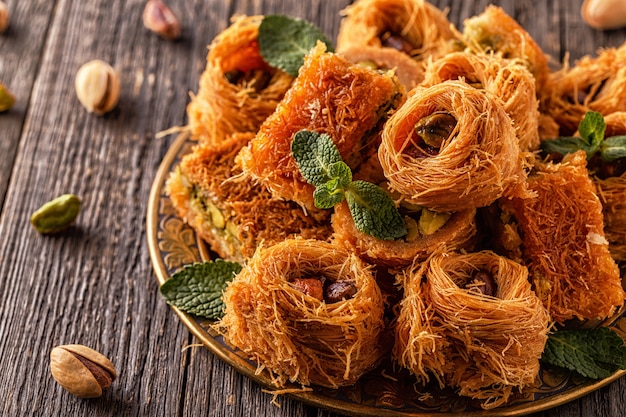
563	242
507	80
307	312
330	95
232	213
610	181
494	31
473	322
593	83
427	232
451	147
238	89
400	34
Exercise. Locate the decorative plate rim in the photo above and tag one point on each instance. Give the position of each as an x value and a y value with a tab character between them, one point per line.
243	366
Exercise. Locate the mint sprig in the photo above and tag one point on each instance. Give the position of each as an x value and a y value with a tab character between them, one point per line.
197	288
372	208
593	353
613	148
285	41
591	140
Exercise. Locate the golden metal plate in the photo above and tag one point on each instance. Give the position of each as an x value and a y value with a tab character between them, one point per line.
381	393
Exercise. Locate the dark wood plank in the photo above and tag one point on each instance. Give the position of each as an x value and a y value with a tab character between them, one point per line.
21	49
93	284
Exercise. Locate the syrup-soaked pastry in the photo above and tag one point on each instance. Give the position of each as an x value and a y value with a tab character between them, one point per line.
238	89
232	213
473	322
306	311
451	147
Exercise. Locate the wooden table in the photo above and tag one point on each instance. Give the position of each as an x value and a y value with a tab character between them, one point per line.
94	284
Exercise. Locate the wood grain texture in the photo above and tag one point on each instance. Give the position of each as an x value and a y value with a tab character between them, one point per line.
94	283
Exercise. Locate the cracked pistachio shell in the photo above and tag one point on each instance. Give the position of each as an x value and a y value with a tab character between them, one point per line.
56	215
7	100
97	87
82	371
5	17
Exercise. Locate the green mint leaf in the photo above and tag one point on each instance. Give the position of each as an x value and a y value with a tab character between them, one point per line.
593	353
591	129
197	288
613	148
285	41
328	195
341	172
315	154
374	211
565	145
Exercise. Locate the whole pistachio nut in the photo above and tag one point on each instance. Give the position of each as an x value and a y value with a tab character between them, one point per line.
7	100
97	86
56	215
82	371
5	17
161	20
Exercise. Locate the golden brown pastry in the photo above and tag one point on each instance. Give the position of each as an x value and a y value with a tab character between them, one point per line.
451	147
428	232
507	80
238	89
233	214
564	244
472	322
610	181
495	31
330	95
593	83
394	34
307	312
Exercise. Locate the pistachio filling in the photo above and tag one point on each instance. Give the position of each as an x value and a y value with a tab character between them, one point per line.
424	223
214	218
258	79
325	289
429	134
397	42
419	221
482	282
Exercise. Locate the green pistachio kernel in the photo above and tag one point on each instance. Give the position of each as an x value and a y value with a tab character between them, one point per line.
56	215
431	221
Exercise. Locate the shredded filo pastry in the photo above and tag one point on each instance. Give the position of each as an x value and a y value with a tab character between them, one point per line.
456	233
475	158
508	80
275	318
330	95
395	34
563	242
494	30
232	213
611	189
484	342
237	90
594	83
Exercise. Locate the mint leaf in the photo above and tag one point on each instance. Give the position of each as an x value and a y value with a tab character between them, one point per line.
593	353
328	195
197	288
315	153
374	211
613	148
592	129
565	145
285	41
